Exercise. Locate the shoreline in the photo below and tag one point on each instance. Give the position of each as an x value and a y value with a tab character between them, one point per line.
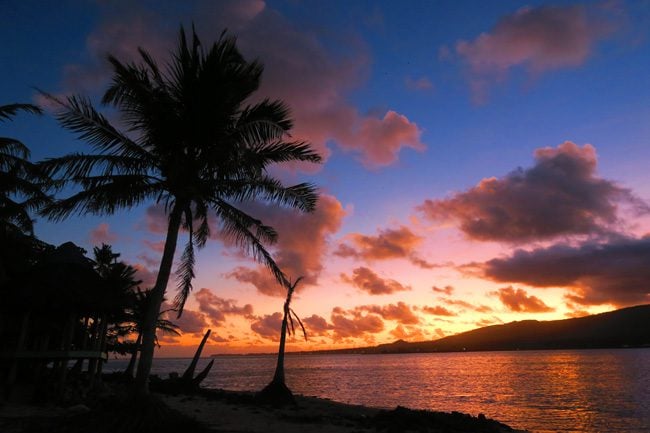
229	411
221	411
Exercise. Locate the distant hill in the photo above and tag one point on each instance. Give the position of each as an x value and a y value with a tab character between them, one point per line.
627	327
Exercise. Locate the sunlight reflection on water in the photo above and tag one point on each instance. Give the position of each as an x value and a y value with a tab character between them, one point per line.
544	391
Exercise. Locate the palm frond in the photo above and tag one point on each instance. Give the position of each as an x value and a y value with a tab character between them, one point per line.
235	224
185	274
10	110
78	115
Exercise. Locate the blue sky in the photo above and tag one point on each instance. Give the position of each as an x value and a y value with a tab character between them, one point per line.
408	102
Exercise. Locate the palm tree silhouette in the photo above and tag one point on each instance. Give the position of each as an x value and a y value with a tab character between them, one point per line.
19	179
197	146
21	191
277	391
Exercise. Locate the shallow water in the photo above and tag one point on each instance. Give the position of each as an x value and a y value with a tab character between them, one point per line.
544	391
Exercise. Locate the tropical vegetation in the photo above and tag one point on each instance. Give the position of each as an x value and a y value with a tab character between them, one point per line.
193	143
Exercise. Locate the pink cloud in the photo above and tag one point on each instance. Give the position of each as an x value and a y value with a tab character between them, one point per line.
399	312
539	39
356	327
147	277
102	235
302	243
299	69
422	83
366	280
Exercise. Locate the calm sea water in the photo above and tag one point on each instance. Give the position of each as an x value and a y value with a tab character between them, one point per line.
544	391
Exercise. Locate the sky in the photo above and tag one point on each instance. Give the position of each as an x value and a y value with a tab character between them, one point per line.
484	162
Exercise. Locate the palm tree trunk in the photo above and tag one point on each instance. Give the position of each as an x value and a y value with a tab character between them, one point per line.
278	377
157	294
134	357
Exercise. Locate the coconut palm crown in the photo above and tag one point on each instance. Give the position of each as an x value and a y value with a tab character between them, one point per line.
191	143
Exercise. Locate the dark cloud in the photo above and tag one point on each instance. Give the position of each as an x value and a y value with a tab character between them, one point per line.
387	244
316	325
268	326
615	272
518	300
366	280
560	195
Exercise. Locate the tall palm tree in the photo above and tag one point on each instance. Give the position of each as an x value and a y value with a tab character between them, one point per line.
277	391
193	144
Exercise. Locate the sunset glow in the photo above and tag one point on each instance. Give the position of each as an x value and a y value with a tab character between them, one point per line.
475	171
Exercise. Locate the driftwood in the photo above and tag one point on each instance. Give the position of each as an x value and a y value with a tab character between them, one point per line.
187	383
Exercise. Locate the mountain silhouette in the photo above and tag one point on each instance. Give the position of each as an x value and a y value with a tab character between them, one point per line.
627	327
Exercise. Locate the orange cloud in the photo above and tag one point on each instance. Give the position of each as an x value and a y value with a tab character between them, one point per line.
366	280
217	308
437	311
356	326
388	244
560	195
538	39
518	300
408	333
102	235
465	304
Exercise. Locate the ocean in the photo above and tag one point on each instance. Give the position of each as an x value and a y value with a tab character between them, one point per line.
543	391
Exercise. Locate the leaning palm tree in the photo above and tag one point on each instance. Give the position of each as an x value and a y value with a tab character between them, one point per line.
277	391
194	145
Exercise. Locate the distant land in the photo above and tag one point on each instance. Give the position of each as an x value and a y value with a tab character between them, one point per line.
627	327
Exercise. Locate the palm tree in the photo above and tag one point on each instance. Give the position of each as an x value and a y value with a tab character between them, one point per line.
21	191
135	317
277	391
194	145
19	179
